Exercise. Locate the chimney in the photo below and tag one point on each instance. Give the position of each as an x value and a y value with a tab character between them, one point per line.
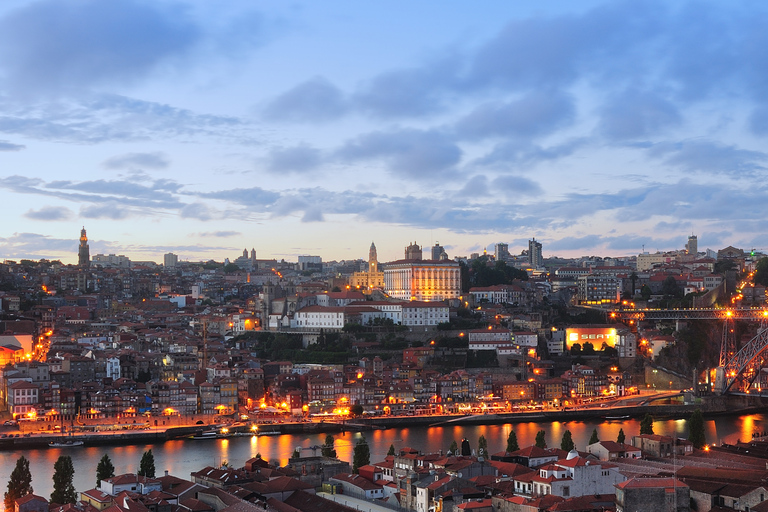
166	472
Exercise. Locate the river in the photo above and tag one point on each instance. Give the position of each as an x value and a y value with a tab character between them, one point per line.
181	457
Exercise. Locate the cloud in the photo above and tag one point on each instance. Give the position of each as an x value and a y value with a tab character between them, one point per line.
316	100
313	215
537	113
253	197
8	146
708	156
219	234
634	114
421	154
524	155
137	160
70	45
298	159
49	213
35	246
196	210
111	210
477	186
515	185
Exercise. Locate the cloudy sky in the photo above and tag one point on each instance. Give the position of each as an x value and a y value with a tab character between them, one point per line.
312	127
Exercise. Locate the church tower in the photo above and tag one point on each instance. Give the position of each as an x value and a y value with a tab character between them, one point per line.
373	262
83	254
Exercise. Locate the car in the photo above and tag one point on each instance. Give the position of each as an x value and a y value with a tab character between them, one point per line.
10	423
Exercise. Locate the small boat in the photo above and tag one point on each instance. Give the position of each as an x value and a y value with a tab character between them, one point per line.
268	433
616	417
65	444
210	434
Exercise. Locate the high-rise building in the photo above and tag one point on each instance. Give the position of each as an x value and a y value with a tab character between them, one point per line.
692	247
438	252
170	260
83	253
373	278
535	258
413	252
501	252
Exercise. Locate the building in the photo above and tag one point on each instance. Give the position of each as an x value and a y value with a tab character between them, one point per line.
658	494
83	253
438	252
112	261
170	260
535	258
501	252
425	314
372	278
422	280
413	252
692	247
596	289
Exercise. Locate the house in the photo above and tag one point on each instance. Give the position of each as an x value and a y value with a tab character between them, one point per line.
610	450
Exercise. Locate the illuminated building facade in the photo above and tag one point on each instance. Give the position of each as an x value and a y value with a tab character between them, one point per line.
422	280
373	278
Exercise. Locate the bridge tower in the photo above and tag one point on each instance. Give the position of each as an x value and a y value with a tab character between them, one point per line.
727	351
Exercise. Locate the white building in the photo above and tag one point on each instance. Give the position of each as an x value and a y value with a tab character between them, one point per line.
318	317
425	314
575	476
423	280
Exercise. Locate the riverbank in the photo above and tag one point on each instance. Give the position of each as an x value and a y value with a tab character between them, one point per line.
710	406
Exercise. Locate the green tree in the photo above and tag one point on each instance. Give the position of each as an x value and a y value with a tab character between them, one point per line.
633	280
594	439
512	445
646	425
621	437
391	450
696	433
147	464
761	272
327	449
356	410
104	469
669	287
645	292
63	475
454	448
567	442
482	447
361	456
20	483
540	441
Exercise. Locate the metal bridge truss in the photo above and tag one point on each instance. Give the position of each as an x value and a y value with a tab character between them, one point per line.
746	364
690	314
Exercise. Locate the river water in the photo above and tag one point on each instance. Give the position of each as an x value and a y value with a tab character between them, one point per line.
181	457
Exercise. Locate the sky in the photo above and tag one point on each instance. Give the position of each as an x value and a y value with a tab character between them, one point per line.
202	128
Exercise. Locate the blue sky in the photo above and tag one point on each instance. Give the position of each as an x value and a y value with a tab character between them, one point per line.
316	127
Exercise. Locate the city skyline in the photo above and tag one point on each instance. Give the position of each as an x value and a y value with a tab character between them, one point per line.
593	127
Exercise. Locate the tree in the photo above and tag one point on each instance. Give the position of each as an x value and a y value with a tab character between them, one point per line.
540	441
594	439
633	279
621	437
327	449
761	272
391	450
454	448
645	292
147	465
20	483
646	425
356	410
105	469
63	475
512	445
567	443
482	447
696	433
669	287
361	455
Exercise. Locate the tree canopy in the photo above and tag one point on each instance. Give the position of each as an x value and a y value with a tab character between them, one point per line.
593	438
105	469
482	274
541	442
20	483
696	433
328	450
567	442
361	456
512	445
147	464
63	477
482	447
646	425
621	438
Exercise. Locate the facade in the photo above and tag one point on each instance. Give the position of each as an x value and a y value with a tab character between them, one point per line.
170	260
692	247
535	258
422	280
501	252
597	289
318	317
424	314
372	278
83	252
658	494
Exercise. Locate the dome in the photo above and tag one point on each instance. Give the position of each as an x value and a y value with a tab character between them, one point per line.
573	454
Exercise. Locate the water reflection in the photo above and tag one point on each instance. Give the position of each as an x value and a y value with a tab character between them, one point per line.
182	457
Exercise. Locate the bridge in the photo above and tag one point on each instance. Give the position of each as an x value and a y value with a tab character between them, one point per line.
737	370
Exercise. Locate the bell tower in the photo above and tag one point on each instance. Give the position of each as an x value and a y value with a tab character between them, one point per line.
83	253
373	262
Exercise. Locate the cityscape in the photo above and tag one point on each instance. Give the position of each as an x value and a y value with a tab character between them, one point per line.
398	256
110	351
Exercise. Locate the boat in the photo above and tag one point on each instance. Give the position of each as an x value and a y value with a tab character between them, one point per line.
616	417
65	444
210	434
268	432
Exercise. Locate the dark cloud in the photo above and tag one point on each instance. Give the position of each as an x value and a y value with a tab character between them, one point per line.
137	160
49	213
535	114
8	146
477	186
633	114
413	92
316	100
298	159
313	215
421	154
709	157
35	246
71	45
515	185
